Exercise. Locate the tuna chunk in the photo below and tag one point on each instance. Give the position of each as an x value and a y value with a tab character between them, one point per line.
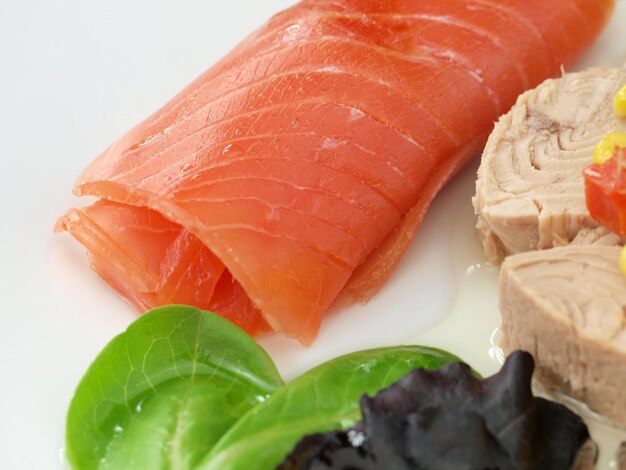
530	190
567	306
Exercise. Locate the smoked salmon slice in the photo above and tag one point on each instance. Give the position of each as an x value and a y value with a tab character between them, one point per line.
293	174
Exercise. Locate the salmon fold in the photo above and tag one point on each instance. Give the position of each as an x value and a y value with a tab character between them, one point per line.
291	177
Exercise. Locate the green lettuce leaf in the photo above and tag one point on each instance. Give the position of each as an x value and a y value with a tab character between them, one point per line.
322	399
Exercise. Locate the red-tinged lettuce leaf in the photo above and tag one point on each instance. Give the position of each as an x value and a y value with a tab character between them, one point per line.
450	419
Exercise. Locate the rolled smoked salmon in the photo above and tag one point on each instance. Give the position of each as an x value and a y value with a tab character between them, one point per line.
293	174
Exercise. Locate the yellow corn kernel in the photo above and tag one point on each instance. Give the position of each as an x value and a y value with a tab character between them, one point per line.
619	103
622	260
606	147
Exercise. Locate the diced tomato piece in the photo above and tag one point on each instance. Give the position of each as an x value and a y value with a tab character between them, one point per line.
605	189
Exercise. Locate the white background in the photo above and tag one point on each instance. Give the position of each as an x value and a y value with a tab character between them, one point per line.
76	74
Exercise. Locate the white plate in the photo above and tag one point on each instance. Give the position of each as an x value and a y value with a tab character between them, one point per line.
74	75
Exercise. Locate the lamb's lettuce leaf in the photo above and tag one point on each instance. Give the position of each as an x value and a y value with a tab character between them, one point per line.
162	393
